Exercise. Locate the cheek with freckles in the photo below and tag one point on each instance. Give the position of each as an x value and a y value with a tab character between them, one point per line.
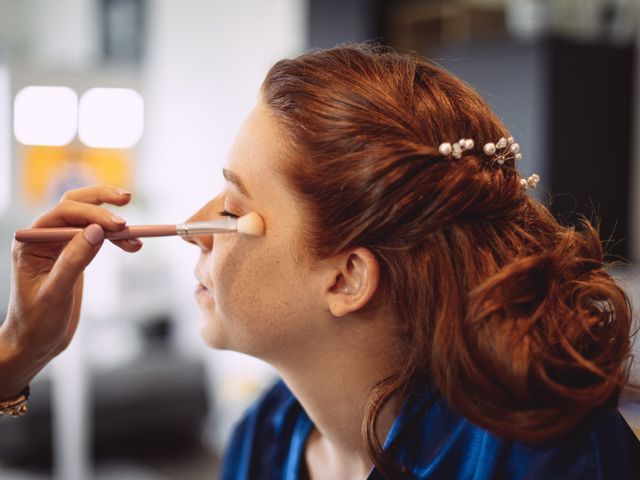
260	303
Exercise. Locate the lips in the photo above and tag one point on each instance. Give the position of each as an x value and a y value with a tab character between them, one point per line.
201	286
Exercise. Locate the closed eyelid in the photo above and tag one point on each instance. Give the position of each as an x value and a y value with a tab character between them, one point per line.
233	200
235	180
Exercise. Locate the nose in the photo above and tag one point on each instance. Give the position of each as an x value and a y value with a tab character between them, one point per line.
207	212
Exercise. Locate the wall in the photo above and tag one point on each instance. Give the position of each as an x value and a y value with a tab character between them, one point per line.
206	60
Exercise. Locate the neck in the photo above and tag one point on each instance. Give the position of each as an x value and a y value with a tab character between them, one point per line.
333	382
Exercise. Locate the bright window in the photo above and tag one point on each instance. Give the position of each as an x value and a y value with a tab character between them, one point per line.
111	118
45	116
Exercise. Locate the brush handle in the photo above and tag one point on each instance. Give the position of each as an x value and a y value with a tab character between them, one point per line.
63	234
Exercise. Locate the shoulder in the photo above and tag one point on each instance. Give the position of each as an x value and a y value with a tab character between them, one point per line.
601	447
261	436
438	443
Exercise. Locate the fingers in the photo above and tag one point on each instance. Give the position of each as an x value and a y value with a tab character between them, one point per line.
71	212
72	261
130	245
80	207
98	194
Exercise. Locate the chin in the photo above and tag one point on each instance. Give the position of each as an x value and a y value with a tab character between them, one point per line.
212	335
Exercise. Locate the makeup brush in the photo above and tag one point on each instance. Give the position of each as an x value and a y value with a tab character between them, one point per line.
249	224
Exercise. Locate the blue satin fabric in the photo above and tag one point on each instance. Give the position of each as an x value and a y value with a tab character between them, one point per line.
434	443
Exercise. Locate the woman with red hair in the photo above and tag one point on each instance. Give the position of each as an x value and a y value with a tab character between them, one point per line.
428	317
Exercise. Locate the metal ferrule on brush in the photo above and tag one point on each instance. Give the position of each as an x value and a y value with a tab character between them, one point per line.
203	228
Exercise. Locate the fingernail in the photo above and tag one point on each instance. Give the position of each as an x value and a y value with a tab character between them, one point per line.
116	219
134	241
94	234
122	191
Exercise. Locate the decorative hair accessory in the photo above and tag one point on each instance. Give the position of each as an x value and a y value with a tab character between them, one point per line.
457	148
530	182
508	146
501	151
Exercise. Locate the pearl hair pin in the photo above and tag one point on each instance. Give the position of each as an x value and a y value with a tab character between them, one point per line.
530	182
508	146
501	151
457	148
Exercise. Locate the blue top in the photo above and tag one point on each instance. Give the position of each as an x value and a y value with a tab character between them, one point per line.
435	443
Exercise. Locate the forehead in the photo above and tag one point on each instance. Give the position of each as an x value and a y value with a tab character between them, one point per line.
256	155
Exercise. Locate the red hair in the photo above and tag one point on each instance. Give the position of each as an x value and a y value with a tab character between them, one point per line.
513	317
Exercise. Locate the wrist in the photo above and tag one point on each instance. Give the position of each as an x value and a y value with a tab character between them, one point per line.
16	406
17	368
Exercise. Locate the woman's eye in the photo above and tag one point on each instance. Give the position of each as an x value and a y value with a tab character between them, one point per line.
224	213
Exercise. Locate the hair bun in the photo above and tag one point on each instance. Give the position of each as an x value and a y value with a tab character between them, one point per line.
547	339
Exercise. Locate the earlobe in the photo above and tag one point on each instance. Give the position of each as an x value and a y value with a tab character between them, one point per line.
355	281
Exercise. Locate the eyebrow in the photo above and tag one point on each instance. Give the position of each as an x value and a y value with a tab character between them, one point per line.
232	177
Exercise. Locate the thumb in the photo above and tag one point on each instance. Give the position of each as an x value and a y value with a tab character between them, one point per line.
73	260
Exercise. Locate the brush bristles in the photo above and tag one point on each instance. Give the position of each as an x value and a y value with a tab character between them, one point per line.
251	224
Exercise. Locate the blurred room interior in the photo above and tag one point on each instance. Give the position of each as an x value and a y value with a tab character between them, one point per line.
148	95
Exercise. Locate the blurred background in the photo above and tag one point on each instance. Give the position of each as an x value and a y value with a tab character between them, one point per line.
148	95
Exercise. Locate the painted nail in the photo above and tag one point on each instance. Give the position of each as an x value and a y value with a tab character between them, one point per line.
122	191
116	219
94	234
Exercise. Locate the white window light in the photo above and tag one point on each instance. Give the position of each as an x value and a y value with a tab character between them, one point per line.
111	118
45	115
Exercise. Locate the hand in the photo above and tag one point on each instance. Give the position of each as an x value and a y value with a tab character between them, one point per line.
47	281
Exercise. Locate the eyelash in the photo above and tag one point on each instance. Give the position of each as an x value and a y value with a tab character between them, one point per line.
227	214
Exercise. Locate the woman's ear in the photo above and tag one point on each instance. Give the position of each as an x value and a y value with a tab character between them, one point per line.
355	276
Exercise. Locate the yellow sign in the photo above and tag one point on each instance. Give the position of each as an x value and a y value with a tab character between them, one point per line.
50	171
